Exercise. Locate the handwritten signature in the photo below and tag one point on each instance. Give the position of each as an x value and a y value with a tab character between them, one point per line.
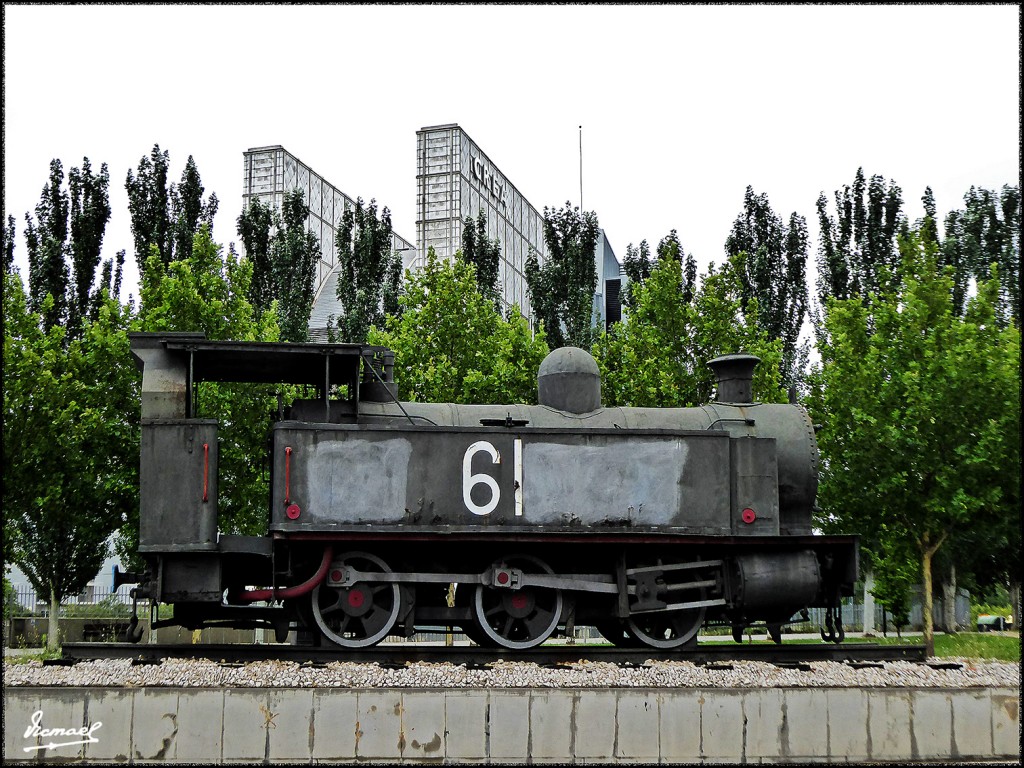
37	731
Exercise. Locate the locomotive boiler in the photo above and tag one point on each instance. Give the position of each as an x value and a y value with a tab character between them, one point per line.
512	522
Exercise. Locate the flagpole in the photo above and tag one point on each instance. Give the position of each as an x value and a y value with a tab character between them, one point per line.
581	167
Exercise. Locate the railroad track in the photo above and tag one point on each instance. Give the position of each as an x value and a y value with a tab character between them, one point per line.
401	654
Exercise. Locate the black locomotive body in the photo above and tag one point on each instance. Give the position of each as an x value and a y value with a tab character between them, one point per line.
512	522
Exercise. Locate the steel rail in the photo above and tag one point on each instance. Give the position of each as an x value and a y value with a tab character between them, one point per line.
404	653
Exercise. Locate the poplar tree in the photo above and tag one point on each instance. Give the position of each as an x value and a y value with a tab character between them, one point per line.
858	253
9	244
64	244
986	232
639	264
771	260
562	289
166	216
370	273
294	252
70	447
48	273
253	226
484	254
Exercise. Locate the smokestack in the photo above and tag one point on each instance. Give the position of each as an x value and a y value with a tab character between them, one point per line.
735	377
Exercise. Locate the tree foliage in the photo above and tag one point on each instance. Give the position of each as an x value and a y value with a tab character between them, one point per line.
921	414
294	252
167	217
562	289
639	263
283	254
8	247
658	356
254	227
771	260
370	273
858	253
64	242
451	346
484	254
986	232
70	442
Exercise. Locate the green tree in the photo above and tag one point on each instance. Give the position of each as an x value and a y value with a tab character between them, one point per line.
484	254
986	232
562	289
294	252
9	245
370	272
658	356
69	231
208	292
921	414
188	211
639	263
858	253
771	260
70	445
637	266
90	212
451	346
254	227
48	273
167	217
149	206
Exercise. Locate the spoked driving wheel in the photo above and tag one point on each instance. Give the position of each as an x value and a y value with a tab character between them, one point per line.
657	617
521	617
361	614
666	629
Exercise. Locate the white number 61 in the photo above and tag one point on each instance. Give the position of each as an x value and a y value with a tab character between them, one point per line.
469	480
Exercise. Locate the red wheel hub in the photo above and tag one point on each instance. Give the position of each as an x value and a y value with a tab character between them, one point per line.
356	598
519	602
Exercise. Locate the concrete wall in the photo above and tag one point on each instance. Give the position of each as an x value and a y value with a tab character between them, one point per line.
475	726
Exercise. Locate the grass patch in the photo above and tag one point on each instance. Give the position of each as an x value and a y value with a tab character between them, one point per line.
39	655
979	645
991	646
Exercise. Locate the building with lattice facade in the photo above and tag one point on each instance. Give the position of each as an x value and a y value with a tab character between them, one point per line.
455	180
272	171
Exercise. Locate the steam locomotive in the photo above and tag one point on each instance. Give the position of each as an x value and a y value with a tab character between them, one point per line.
514	523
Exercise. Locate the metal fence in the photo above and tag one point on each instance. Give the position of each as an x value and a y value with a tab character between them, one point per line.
93	598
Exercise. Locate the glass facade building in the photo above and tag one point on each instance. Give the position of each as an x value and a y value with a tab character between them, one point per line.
269	172
455	180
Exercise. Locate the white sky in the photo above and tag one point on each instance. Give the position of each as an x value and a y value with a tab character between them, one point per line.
682	107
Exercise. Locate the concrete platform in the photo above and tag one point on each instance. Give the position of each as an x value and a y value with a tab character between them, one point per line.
537	726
